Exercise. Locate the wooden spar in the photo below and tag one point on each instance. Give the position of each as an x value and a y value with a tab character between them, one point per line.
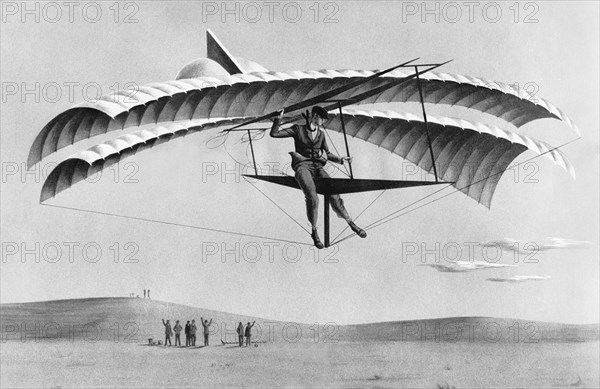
345	138
421	64
326	204
369	93
425	120
323	96
252	150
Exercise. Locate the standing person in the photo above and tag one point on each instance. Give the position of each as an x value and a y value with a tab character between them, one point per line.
144	293
168	332
149	293
240	332
248	333
177	330
311	155
187	333
205	325
193	330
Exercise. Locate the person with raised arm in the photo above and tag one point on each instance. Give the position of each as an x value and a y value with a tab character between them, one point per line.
168	332
248	332
308	160
206	324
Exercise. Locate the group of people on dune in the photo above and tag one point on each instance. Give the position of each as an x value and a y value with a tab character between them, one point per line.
190	332
191	329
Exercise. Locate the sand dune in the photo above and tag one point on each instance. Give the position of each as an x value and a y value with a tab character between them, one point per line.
471	329
130	319
136	320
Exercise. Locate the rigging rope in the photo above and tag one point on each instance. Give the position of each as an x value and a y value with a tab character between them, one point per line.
361	212
264	194
382	221
261	192
212	143
174	224
337	153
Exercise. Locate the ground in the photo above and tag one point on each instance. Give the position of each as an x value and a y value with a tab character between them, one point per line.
303	364
103	342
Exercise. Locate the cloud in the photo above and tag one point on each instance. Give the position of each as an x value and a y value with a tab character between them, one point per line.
518	279
466	266
525	247
506	244
561	243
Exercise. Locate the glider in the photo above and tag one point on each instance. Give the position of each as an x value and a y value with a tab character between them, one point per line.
229	93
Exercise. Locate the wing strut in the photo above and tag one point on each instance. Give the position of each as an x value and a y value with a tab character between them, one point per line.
425	120
252	150
345	138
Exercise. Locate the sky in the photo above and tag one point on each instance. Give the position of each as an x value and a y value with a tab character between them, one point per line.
48	253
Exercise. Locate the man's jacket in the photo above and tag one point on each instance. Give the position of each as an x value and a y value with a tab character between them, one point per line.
307	149
168	330
206	332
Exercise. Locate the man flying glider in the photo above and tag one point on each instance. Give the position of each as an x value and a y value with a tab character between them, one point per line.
308	161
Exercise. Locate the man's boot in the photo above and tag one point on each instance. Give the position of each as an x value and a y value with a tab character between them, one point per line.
359	231
316	240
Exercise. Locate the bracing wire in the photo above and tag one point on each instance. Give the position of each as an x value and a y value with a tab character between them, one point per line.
389	217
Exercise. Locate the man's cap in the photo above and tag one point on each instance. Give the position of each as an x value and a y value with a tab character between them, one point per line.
320	111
